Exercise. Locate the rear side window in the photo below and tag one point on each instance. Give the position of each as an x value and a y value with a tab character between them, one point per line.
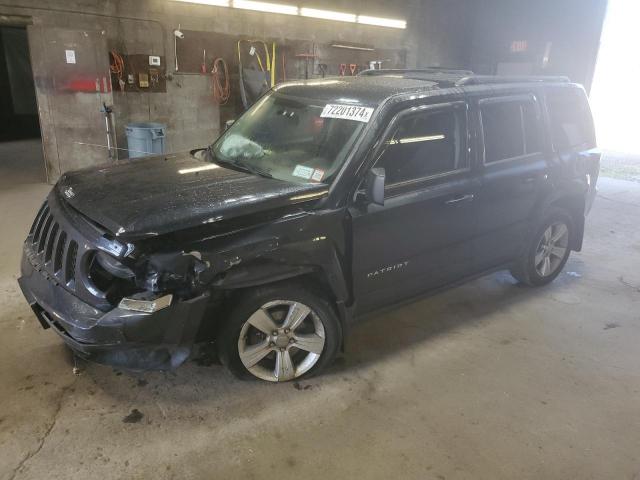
512	128
571	121
424	145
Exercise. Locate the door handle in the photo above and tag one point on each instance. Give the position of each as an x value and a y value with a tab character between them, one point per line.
534	178
463	198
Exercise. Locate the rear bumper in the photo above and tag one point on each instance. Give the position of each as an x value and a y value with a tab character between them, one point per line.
121	338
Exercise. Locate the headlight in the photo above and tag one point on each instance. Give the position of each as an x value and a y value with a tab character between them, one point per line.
145	306
114	266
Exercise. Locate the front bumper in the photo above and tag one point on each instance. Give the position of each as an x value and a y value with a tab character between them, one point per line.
121	338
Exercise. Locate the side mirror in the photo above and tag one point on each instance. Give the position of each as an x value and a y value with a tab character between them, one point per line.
228	123
374	186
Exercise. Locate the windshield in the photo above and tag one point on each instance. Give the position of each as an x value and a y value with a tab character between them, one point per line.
289	138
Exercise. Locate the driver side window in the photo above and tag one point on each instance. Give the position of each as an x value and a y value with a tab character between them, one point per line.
424	145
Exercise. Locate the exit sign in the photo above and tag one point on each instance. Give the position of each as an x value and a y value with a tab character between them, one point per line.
518	46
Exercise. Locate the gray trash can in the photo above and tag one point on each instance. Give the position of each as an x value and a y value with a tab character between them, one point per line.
145	138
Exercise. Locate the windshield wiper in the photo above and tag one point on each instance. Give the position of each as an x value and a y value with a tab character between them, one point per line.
252	168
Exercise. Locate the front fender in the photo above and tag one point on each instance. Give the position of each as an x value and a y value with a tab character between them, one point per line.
316	256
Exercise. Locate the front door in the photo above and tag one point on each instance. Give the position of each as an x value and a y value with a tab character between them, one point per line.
421	238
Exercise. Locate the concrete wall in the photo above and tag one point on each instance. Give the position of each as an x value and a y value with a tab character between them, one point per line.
474	34
71	120
572	26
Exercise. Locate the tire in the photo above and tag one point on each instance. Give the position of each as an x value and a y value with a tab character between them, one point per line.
528	269
305	334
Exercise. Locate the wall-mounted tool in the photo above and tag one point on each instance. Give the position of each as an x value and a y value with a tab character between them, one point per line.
272	67
343	69
254	82
111	140
203	65
322	68
284	68
117	67
306	57
177	34
221	88
353	68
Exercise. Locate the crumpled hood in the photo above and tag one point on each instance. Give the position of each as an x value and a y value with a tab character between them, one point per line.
157	195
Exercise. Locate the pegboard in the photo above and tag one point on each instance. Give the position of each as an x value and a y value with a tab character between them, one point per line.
135	66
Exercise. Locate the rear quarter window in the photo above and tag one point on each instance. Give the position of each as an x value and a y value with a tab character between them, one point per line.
571	120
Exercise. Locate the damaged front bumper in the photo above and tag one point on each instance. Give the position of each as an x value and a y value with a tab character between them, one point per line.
122	338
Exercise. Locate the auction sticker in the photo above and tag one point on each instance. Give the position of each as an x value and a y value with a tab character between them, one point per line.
347	112
303	172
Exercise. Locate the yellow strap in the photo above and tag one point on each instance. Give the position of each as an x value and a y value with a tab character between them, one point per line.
239	58
270	60
273	65
259	61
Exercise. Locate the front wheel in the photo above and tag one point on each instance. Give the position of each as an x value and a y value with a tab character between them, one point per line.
280	333
548	250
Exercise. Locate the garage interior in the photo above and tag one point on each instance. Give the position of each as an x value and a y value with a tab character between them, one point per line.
488	380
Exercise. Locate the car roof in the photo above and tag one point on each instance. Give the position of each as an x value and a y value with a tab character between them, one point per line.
372	87
368	90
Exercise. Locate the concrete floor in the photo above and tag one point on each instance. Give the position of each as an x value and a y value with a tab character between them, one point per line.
487	381
21	162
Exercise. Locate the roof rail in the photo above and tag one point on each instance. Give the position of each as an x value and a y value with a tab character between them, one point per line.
428	70
488	79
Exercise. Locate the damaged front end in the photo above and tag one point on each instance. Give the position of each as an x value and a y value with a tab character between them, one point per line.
132	288
159	279
109	302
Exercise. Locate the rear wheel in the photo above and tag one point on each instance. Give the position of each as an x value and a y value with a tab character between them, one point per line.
548	250
280	333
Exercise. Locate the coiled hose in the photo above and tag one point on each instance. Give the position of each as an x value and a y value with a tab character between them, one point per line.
221	86
117	68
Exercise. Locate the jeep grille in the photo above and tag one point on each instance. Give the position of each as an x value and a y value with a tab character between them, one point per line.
58	243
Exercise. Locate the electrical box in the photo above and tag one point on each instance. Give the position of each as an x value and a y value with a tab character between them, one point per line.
154	60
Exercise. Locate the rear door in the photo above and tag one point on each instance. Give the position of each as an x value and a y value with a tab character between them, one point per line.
421	238
514	174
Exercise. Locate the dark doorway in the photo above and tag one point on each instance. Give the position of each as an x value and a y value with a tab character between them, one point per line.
21	159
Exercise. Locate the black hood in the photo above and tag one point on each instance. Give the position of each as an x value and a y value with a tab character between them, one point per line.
158	195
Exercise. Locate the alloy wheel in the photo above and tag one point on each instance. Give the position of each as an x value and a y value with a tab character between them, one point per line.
552	249
281	341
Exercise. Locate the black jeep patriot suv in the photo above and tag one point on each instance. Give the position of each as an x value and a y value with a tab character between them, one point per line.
325	201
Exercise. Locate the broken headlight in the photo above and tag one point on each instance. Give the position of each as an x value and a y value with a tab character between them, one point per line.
114	266
173	272
106	276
